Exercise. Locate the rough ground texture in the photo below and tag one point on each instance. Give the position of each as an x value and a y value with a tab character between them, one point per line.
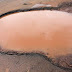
9	5
66	6
27	63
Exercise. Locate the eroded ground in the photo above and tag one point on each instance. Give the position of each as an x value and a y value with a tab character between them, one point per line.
9	5
27	63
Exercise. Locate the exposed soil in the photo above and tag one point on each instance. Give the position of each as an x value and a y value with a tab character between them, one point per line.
27	63
9	5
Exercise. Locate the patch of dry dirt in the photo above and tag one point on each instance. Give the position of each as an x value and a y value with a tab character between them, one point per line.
9	5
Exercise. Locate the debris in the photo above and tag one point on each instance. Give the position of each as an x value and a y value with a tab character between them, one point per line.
41	5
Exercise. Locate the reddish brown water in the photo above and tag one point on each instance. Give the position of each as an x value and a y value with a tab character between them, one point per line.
40	31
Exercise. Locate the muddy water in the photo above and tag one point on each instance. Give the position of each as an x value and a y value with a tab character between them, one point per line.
51	35
48	32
